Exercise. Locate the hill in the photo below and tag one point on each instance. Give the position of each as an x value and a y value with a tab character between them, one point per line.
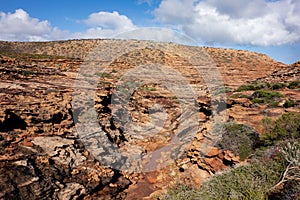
114	119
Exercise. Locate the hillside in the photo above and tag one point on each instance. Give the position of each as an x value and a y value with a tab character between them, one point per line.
114	119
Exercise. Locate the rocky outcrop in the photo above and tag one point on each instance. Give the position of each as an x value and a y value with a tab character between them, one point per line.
155	103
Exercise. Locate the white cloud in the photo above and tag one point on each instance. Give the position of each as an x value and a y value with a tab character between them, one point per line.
175	11
240	8
110	21
20	26
242	22
256	22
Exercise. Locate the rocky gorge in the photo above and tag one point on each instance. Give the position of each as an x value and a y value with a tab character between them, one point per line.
116	119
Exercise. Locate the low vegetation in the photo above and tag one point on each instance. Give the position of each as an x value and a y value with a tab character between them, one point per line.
270	86
294	85
251	181
272	173
250	87
263	96
287	127
239	138
30	56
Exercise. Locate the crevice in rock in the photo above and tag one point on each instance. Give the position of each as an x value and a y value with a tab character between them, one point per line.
12	121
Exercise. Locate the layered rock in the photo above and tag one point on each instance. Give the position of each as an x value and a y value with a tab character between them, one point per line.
156	101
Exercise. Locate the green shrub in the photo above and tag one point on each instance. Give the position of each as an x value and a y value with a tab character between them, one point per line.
239	138
181	192
257	100
274	104
289	104
294	85
246	182
250	87
263	96
274	86
278	86
285	128
251	181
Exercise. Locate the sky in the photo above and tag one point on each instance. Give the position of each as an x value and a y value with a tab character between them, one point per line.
266	26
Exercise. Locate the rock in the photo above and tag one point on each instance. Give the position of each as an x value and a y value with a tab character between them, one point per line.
214	152
230	157
50	144
42	155
72	191
215	164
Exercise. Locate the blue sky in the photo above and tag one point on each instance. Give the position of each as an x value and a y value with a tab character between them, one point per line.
271	27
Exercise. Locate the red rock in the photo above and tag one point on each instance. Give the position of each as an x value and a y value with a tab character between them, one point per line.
27	143
213	152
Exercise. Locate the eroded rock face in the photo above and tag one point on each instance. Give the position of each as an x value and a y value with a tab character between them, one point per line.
42	155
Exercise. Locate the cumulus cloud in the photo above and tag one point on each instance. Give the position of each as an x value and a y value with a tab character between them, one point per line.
175	11
110	21
256	22
21	27
232	22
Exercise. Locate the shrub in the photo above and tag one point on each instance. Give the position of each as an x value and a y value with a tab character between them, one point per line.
262	96
294	85
181	192
278	86
251	181
291	174
285	128
250	87
239	138
246	182
289	104
274	104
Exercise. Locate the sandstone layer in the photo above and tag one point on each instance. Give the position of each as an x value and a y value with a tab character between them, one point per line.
113	119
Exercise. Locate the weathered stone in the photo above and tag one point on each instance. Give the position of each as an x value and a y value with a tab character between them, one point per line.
42	155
